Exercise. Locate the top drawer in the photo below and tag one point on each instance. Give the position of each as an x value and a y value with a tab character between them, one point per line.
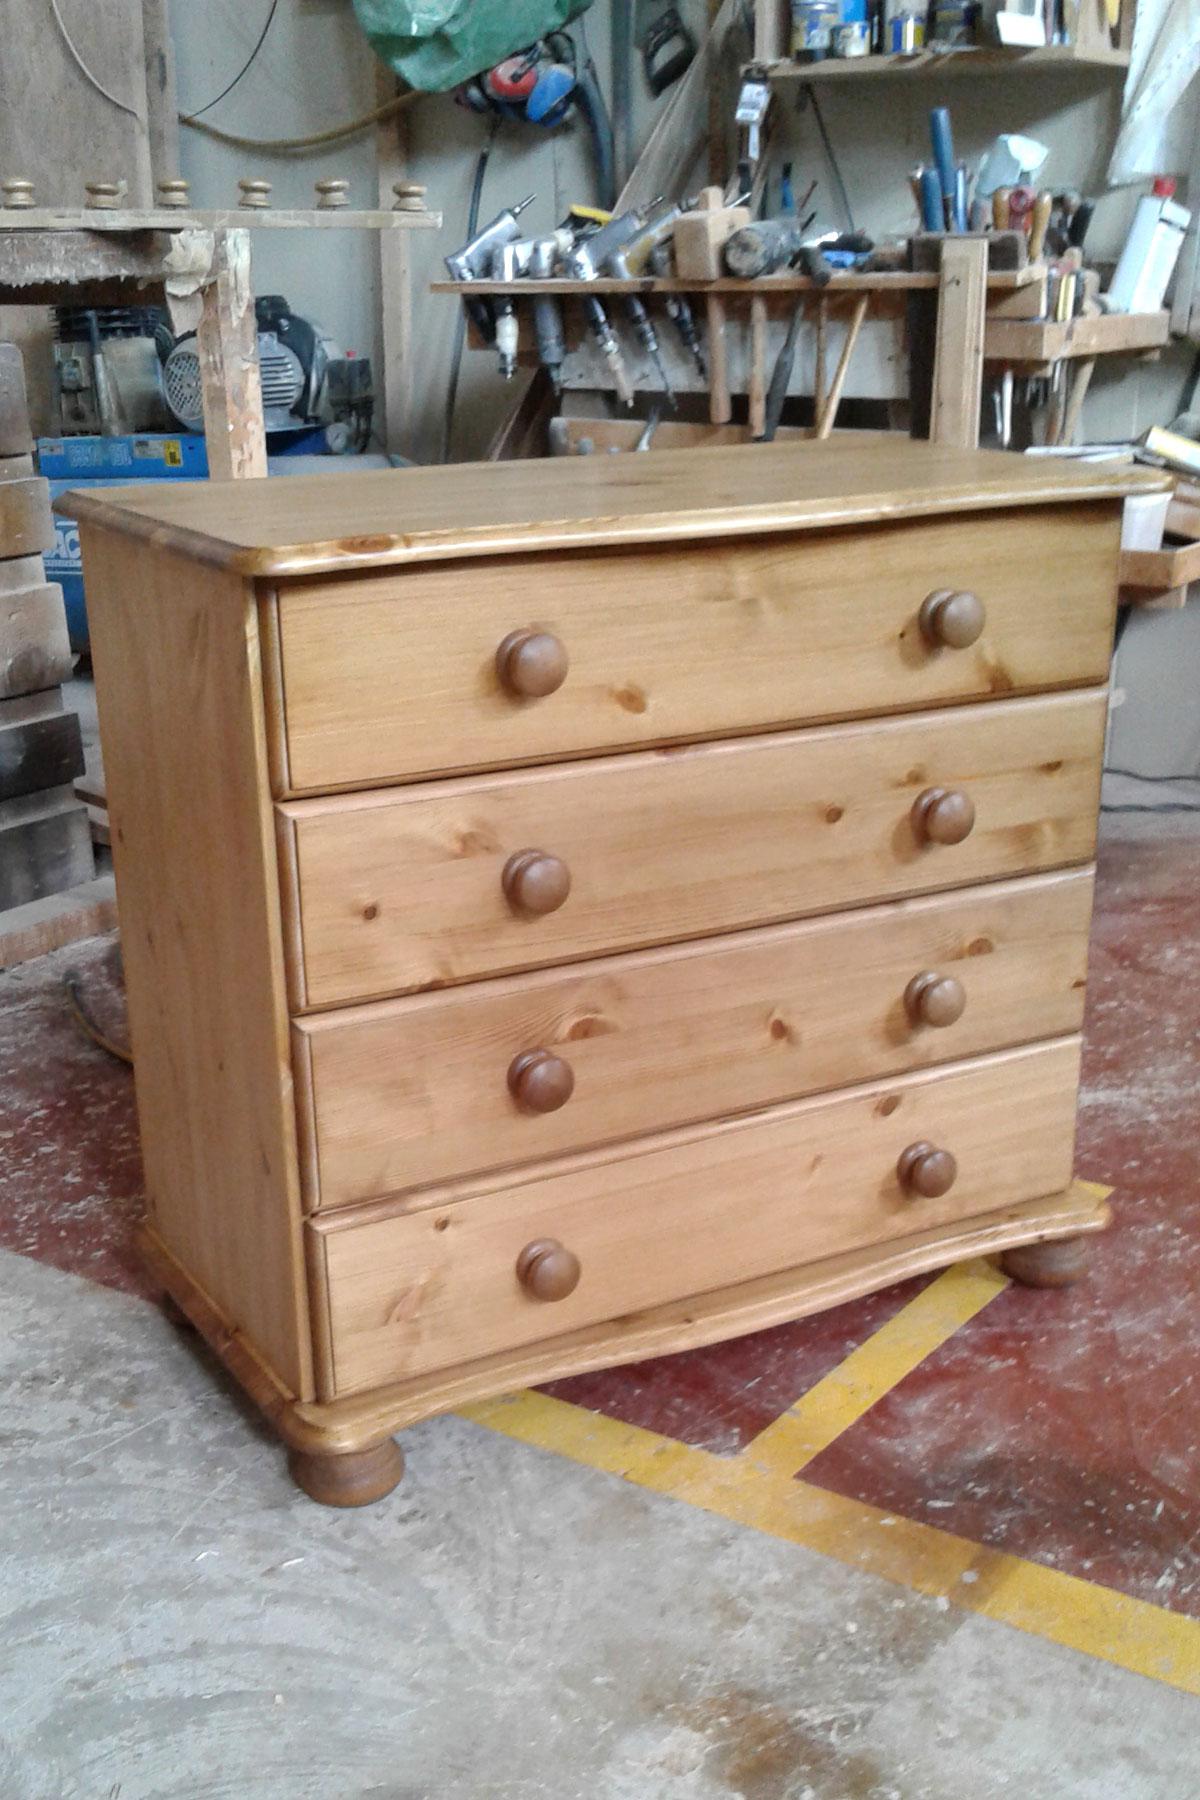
376	679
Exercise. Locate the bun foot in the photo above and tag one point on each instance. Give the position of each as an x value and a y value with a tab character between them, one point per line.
1058	1263
350	1478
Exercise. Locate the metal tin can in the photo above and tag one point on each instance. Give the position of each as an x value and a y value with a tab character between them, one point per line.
853	39
814	27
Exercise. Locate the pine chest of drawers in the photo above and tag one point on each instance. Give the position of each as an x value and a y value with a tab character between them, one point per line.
579	910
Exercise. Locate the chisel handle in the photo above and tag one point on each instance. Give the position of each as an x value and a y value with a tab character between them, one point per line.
942	139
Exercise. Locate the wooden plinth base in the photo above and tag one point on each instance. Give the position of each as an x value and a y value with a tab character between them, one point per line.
1056	1264
340	1450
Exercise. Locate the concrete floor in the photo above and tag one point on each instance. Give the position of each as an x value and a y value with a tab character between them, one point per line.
175	1620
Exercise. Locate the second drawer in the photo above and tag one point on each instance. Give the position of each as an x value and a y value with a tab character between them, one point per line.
439	1086
418	888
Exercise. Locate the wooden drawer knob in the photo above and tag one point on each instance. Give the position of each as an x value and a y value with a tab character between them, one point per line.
925	1170
539	1081
535	882
932	999
943	815
548	1271
952	619
532	663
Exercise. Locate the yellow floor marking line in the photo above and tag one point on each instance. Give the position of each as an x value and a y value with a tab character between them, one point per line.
1078	1615
878	1365
758	1488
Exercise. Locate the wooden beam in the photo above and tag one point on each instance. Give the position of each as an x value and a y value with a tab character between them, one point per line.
958	343
227	340
769	31
1045	341
162	106
67	918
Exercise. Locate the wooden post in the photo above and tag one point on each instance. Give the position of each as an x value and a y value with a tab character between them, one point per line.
720	407
757	385
227	340
768	30
395	278
958	347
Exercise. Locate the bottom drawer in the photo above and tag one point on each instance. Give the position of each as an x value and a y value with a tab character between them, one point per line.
407	1292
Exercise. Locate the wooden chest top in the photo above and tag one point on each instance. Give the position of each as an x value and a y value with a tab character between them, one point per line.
308	524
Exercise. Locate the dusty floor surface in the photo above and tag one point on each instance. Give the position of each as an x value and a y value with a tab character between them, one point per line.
178	1621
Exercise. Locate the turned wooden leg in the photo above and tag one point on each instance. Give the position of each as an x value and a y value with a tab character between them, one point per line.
1054	1264
350	1478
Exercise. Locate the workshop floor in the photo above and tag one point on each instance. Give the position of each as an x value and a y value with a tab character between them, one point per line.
985	1582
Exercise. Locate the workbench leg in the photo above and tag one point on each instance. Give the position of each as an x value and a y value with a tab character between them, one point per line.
231	388
958	344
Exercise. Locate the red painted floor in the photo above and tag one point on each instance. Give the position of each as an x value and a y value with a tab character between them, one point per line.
1060	1427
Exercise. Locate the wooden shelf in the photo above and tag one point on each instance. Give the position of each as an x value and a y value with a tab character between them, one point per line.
1044	341
1174	566
972	60
883	282
233	218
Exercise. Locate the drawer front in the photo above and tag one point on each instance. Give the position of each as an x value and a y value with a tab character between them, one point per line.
516	1070
387	677
418	888
691	1211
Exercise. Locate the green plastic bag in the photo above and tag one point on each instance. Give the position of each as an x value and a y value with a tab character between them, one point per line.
436	44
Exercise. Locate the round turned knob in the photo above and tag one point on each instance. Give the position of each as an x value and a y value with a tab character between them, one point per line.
943	815
535	882
925	1170
532	663
410	196
950	618
548	1271
539	1081
931	999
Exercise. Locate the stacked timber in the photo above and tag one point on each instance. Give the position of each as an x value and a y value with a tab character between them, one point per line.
45	842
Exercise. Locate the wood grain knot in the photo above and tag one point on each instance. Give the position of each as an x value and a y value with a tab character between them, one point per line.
980	946
631	699
371	911
833	814
887	1106
588	1026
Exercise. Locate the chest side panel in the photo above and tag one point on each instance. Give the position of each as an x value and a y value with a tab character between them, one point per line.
175	647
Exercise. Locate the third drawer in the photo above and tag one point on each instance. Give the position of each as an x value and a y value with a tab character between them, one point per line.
439	1086
418	888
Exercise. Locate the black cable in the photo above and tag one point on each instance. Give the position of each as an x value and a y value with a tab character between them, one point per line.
262	38
460	327
833	161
